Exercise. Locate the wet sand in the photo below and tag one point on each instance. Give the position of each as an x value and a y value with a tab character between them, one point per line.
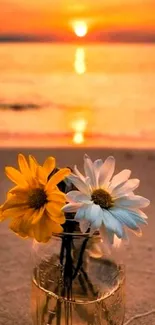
139	256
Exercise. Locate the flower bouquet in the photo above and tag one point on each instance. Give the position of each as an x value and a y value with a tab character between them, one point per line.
75	221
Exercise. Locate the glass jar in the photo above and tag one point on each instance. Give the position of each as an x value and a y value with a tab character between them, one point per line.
75	282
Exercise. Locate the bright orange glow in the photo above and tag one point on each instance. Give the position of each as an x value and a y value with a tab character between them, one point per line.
79	125
80	28
56	21
78	138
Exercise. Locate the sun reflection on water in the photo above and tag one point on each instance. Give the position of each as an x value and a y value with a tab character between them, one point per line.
79	123
78	138
79	126
80	61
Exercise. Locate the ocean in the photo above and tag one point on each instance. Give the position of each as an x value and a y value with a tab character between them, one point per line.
56	95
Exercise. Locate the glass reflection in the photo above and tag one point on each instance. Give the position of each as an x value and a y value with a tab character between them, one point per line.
80	61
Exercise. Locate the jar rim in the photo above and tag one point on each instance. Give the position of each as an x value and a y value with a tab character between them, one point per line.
76	234
71	228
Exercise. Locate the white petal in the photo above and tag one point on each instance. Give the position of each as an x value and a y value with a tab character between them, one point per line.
87	182
97	167
106	171
109	238
91	213
76	196
112	224
71	207
129	186
80	214
112	190
134	201
77	172
94	215
89	171
128	218
98	164
140	213
118	187
84	225
79	184
106	235
121	177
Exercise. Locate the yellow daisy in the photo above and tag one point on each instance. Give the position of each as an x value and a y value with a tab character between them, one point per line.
34	204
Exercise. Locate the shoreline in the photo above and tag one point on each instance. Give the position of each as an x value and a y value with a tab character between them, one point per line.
66	140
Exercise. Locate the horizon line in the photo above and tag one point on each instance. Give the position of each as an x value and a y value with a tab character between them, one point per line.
10	41
107	37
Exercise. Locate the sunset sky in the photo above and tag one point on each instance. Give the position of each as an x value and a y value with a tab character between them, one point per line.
55	18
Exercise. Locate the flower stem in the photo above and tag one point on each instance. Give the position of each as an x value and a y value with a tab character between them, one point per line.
80	260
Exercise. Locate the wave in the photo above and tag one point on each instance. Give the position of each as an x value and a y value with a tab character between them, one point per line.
19	106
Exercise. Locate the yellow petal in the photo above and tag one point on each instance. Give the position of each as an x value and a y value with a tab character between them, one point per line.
37	215
15	226
8	195
44	228
22	225
28	217
54	227
14	202
22	196
13	212
25	170
57	178
23	165
15	176
49	165
33	165
41	175
54	208
58	220
17	190
55	213
1	214
56	195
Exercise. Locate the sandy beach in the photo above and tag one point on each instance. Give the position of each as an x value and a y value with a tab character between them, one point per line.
15	261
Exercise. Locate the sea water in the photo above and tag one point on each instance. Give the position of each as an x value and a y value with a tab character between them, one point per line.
98	95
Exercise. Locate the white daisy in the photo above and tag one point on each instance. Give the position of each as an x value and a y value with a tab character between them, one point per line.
104	203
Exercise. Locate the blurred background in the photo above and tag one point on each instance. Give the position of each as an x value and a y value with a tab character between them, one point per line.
77	73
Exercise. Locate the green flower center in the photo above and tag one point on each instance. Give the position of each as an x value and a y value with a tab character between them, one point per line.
37	198
102	198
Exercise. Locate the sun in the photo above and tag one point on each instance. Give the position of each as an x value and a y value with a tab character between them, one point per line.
80	28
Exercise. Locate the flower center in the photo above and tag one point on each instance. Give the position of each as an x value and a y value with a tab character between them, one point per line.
102	198
37	198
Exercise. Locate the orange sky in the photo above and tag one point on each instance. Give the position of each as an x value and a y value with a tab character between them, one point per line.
55	16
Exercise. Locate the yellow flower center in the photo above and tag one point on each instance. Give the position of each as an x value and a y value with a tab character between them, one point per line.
37	198
102	198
